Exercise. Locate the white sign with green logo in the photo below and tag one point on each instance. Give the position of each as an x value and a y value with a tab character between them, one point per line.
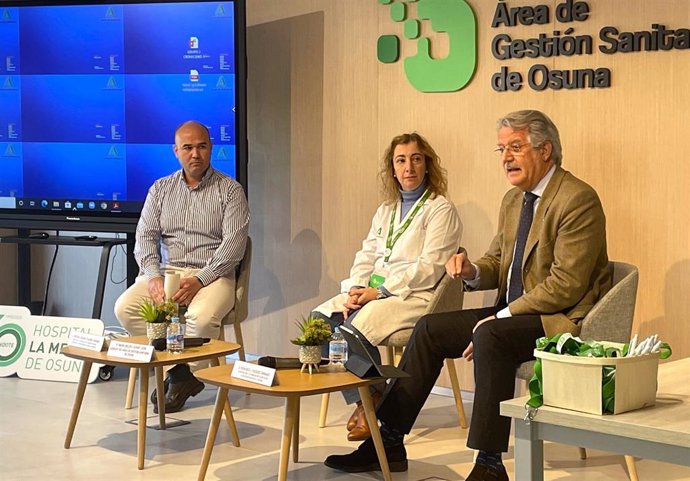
30	345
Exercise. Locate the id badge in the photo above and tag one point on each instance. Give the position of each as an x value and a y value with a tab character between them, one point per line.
376	280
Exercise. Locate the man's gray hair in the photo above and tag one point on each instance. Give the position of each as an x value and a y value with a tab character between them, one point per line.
539	127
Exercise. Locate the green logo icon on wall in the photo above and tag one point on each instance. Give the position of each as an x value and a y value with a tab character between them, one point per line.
452	17
12	343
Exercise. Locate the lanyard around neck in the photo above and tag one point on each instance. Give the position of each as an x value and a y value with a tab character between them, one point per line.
393	237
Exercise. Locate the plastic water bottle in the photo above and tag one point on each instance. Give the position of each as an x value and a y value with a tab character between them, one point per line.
175	337
337	350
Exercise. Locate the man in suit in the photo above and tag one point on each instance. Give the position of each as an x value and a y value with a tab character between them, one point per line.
550	266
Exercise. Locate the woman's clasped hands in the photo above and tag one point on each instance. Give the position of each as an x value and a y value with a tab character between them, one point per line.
357	297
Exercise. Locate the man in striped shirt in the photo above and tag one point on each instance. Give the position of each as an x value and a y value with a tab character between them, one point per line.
194	223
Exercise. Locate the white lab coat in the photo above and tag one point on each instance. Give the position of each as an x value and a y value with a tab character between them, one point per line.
416	264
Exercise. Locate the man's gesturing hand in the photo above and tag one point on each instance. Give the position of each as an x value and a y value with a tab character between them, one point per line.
460	266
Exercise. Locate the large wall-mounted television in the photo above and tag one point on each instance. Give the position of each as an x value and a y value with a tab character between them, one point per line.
91	93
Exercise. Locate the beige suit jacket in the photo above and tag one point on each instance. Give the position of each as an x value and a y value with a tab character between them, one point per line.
565	266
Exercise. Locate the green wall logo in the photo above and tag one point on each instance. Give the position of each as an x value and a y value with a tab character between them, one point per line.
12	343
452	17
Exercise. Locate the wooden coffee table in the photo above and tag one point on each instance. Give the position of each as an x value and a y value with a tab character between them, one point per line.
292	385
212	350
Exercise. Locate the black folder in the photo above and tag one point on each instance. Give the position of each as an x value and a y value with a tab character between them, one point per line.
359	361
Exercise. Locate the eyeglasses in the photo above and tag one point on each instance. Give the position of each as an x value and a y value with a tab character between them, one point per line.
514	148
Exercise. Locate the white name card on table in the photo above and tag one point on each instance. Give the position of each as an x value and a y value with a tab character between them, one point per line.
253	373
131	351
85	340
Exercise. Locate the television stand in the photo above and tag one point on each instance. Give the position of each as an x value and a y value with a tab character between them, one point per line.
24	242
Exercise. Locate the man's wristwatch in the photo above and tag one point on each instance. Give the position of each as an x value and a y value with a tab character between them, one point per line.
380	294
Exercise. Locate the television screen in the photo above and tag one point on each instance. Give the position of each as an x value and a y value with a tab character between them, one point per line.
90	96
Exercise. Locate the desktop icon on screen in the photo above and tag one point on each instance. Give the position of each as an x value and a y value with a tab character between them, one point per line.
56	203
44	203
68	204
221	84
194	75
10	151
112	84
80	205
92	205
104	205
193	42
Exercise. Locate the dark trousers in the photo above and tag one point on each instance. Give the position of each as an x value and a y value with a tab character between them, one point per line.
500	346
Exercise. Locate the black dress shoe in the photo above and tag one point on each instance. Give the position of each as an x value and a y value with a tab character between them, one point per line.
365	459
482	472
166	386
178	394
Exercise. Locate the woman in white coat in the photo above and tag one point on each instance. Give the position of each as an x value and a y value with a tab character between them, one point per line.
413	233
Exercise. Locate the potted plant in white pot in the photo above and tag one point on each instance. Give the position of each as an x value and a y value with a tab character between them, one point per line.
314	332
157	317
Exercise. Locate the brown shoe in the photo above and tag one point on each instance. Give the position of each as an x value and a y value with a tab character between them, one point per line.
361	430
359	411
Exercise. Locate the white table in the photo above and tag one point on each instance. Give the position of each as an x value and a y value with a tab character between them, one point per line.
661	432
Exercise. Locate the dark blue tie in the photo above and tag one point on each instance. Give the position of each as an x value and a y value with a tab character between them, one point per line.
515	288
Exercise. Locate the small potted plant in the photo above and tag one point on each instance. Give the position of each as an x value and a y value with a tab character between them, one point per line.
314	332
157	317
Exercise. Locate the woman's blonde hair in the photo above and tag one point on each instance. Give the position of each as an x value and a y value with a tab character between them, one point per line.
436	179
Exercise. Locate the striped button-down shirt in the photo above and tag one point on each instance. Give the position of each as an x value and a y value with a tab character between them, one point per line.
204	227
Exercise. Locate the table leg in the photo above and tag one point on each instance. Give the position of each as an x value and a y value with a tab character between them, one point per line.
131	383
295	434
529	452
143	406
221	402
291	412
632	469
231	422
228	412
459	407
160	390
325	397
370	413
78	398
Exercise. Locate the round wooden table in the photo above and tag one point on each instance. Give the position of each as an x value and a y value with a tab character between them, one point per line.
292	385
212	350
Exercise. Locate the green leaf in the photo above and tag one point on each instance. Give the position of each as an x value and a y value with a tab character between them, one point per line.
314	331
